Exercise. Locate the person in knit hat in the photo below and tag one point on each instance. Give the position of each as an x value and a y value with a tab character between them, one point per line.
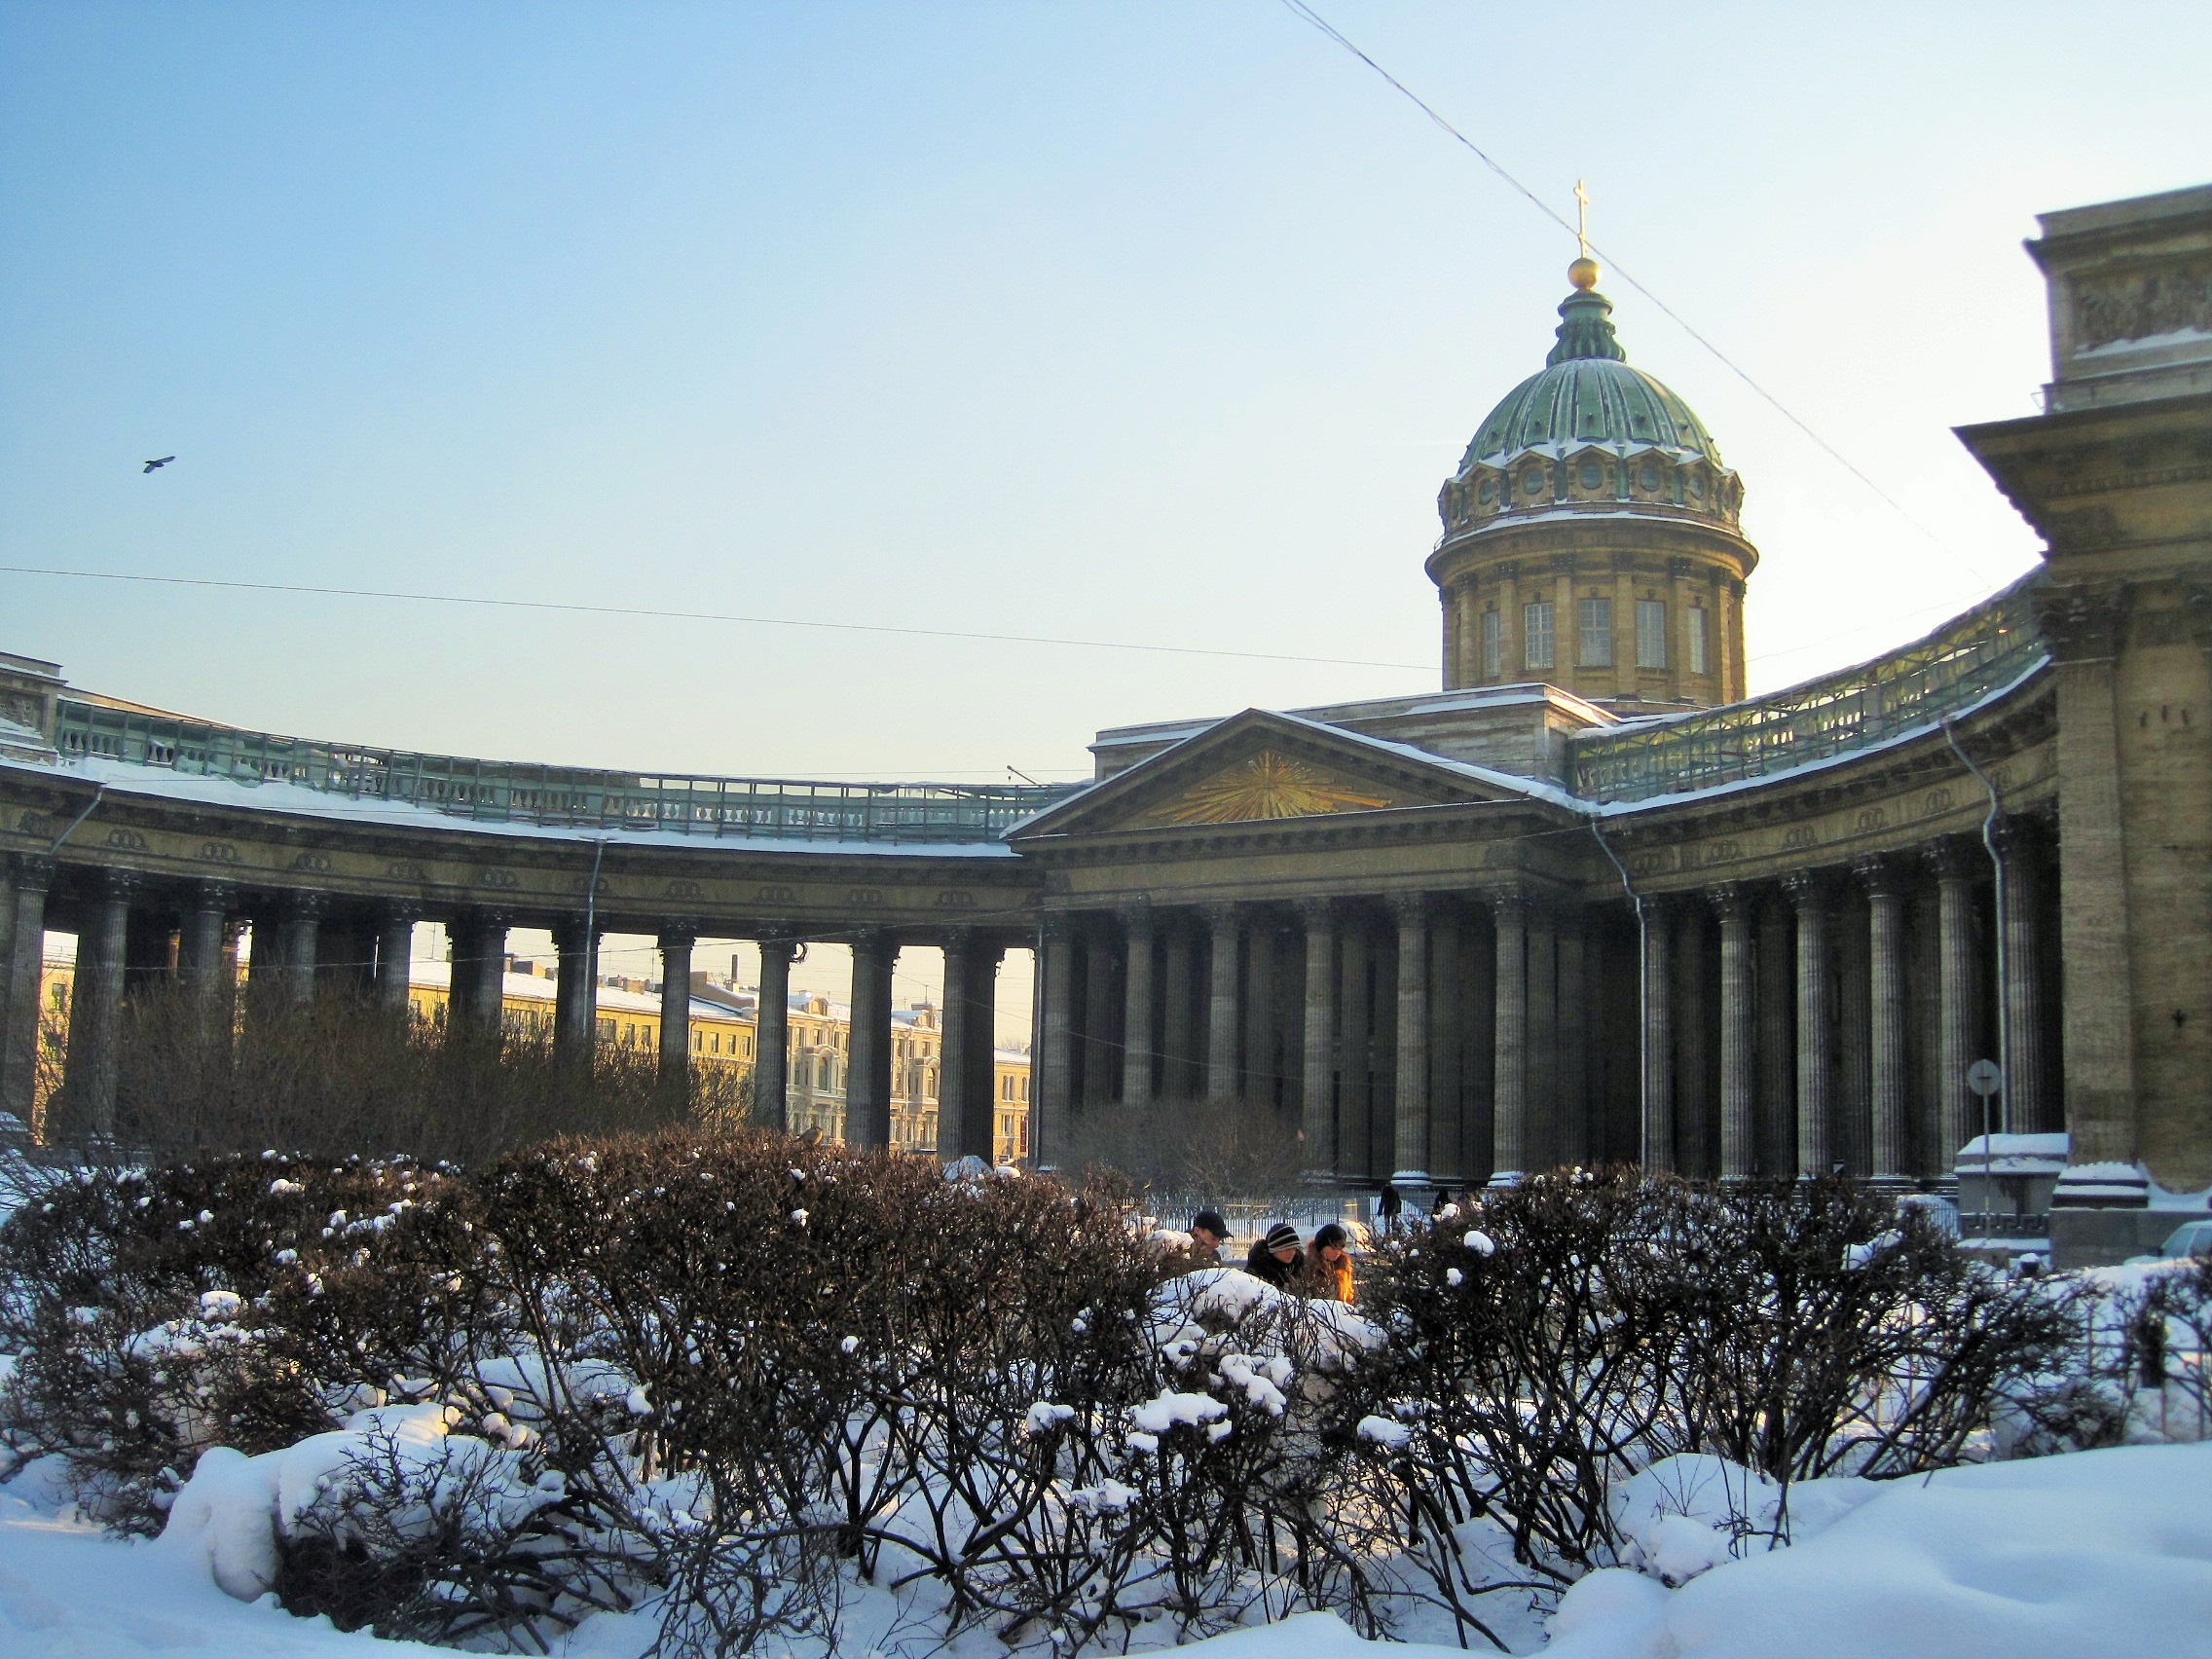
1277	1259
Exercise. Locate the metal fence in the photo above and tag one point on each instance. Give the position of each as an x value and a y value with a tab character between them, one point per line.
570	797
1962	662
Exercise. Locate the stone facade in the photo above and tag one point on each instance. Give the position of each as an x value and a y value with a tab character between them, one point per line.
1445	939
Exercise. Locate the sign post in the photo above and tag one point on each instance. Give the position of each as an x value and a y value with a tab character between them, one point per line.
1985	1078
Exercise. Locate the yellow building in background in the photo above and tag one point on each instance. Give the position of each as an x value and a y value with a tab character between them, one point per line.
722	1035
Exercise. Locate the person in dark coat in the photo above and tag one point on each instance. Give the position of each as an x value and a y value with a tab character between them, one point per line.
1388	1204
1208	1233
1277	1259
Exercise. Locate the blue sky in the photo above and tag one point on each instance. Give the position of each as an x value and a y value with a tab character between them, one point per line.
1137	321
1134	321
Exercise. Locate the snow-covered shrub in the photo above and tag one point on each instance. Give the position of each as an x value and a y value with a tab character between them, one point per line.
245	1302
1580	1328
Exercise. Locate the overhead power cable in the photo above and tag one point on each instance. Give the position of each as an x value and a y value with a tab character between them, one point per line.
1300	8
706	617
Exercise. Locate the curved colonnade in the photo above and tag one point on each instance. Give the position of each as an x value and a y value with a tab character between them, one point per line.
1776	974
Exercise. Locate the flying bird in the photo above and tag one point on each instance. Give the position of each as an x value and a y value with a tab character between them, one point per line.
164	461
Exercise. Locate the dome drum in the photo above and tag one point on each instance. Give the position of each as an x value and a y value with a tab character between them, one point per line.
1589	477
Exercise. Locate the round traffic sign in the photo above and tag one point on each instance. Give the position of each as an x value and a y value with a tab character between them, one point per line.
1984	1078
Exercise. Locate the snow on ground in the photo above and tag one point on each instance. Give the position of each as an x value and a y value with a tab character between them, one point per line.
2055	1558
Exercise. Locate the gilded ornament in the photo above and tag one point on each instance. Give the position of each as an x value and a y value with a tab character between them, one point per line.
1268	785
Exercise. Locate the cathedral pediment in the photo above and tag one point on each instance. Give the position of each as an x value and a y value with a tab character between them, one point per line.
1258	767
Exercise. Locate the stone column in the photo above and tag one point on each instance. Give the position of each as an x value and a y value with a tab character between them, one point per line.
1738	1017
1541	955
1571	1122
395	954
93	1066
958	1120
1510	1142
1815	1054
575	986
1141	1039
772	1032
676	941
1262	1070
22	962
1448	1048
1694	1135
1356	1057
984	959
1317	1102
2030	1103
1775	1125
476	996
2085	624
1050	1095
202	971
1179	1011
1888	1095
1854	1040
1657	1043
1410	1164
868	1074
1959	1033
1221	1002
301	930
1101	1064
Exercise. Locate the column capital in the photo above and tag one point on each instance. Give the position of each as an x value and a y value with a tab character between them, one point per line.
31	871
393	911
569	933
1137	918
487	918
1221	914
1315	914
1732	901
1808	890
881	941
220	898
1882	875
1953	858
2083	621
1411	909
116	883
679	933
2017	835
1509	904
1058	929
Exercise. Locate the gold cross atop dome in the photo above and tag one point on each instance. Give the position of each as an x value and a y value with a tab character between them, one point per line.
1583	272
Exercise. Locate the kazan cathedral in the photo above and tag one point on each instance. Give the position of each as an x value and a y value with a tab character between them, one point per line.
1586	903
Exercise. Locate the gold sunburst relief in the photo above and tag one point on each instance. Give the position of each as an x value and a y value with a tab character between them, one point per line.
1268	785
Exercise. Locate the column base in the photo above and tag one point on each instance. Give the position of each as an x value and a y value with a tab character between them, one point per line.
1507	1178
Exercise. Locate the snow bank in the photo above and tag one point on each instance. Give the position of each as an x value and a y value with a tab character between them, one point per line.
2052	1557
232	1513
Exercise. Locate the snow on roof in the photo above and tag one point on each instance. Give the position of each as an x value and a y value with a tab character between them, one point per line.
123	778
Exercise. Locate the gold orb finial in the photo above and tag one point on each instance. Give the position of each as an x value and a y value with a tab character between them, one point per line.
1583	272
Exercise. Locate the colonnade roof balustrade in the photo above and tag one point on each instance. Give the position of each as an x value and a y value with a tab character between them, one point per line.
503	792
1969	659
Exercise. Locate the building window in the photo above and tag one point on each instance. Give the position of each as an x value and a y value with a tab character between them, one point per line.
1652	633
1597	633
1537	634
1698	645
1493	654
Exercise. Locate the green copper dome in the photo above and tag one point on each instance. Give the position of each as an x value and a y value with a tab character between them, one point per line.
1587	395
